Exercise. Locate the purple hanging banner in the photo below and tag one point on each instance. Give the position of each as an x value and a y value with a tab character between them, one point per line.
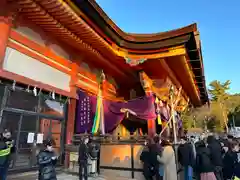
143	108
165	115
84	115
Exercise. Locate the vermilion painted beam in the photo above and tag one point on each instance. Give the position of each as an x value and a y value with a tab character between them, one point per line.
71	120
34	50
5	27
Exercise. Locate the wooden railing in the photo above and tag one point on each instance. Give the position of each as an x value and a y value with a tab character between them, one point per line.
108	138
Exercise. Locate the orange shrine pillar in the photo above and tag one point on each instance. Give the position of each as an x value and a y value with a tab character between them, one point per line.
72	104
6	20
151	122
71	110
70	127
71	120
74	78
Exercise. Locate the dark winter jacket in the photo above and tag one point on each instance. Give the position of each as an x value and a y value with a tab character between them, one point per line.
93	149
198	144
83	153
237	166
46	165
203	160
229	162
216	151
186	155
150	163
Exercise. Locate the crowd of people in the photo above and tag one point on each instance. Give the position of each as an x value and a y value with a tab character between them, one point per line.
208	158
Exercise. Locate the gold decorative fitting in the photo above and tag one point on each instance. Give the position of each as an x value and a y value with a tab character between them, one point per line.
176	51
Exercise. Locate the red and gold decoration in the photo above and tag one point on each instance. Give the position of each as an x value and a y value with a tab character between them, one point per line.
134	62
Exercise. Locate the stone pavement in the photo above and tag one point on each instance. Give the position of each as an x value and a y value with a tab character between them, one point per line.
62	176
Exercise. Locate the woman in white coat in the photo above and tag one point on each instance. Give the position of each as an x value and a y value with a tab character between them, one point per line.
168	160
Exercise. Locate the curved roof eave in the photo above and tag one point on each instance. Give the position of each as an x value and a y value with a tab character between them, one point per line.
94	13
98	20
133	37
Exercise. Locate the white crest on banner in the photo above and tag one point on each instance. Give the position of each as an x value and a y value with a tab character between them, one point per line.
85	110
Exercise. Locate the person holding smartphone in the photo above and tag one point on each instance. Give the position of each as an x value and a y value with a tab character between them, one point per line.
47	161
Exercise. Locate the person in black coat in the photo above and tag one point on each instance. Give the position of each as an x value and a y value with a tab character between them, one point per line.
150	164
230	160
149	159
47	160
216	156
204	165
83	156
186	158
203	159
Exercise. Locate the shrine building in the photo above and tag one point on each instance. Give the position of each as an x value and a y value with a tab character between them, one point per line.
56	54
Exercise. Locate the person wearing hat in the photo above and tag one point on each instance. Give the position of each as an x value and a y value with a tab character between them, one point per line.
47	160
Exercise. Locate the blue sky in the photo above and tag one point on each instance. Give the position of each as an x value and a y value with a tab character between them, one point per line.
218	22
